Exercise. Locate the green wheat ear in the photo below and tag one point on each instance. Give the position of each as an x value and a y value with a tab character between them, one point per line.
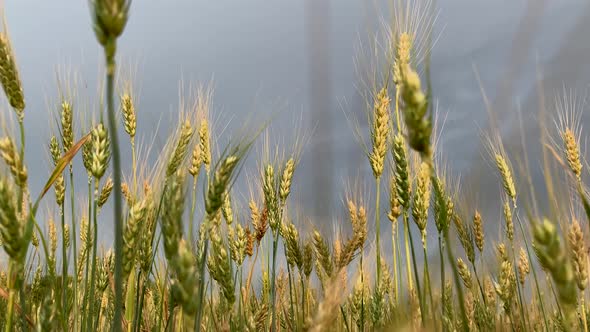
9	77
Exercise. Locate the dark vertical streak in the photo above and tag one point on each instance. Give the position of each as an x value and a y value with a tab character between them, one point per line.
317	13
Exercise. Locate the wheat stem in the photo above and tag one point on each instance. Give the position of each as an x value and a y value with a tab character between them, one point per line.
407	243
427	283
94	246
442	273
395	250
420	298
273	291
191	229
64	263
378	229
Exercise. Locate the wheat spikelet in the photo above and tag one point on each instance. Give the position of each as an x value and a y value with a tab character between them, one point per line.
507	285
131	234
101	152
464	273
219	183
465	237
506	174
490	292
478	231
9	77
358	218
35	240
259	220
52	233
269	189
402	178
66	235
226	209
204	144
508	220
578	254
572	152
322	253
554	259
219	265
87	156
172	216
127	194
418	124
179	153
502	253
286	180
443	208
10	226
59	184
11	157
196	161
293	249
129	117
250	239
421	200
105	192
395	209
238	242
67	126
379	132
145	245
402	57
523	266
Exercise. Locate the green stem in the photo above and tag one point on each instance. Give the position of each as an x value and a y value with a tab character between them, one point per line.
427	285
407	247
87	295
73	217
272	282
240	313
118	211
134	164
378	229
483	296
64	270
406	223
362	293
192	215
94	246
394	251
442	273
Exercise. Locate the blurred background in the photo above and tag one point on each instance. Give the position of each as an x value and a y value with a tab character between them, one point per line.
298	61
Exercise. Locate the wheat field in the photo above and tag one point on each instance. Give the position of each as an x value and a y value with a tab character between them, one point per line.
191	253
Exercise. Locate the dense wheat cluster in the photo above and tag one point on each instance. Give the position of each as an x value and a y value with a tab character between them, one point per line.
186	259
